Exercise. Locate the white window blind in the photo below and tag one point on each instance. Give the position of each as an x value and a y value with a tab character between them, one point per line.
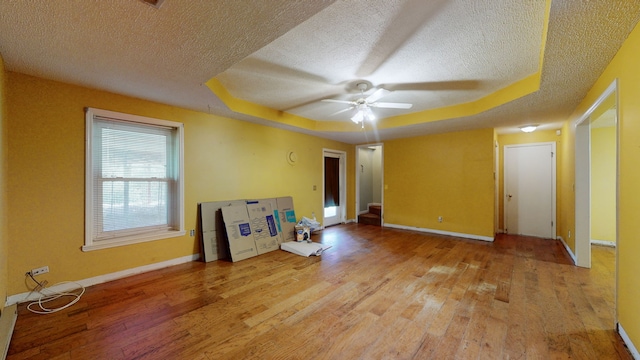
134	179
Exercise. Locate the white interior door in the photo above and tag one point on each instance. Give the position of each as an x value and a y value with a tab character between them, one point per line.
529	190
335	209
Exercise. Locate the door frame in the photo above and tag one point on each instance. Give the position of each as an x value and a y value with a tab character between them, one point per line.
496	188
357	204
342	155
583	181
553	183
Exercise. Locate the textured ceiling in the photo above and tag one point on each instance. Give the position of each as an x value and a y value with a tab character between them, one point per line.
131	48
287	55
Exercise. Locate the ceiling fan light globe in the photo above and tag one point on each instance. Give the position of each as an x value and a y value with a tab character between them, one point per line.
368	114
358	117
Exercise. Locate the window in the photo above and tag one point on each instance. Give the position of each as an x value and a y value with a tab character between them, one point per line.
134	179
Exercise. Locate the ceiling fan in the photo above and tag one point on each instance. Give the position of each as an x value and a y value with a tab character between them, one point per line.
363	105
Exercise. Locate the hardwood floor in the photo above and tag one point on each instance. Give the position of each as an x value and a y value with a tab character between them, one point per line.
377	293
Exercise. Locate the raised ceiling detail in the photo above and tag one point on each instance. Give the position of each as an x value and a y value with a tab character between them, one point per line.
428	52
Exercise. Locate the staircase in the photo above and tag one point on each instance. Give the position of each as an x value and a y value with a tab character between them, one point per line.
373	217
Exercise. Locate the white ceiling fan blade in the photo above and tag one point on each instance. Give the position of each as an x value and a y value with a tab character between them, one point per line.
343	110
451	85
379	94
339	101
390	105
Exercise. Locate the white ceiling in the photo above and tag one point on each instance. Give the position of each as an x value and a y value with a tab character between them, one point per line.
288	55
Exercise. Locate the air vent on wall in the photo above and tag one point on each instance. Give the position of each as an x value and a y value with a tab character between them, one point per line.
155	3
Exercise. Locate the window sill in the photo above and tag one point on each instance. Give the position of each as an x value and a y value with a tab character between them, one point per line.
129	240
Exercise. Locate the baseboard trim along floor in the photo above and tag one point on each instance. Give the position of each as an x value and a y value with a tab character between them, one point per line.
440	232
29	296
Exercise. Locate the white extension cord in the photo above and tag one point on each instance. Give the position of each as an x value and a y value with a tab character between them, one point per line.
48	295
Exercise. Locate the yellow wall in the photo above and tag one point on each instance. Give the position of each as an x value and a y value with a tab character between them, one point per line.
448	175
624	67
224	159
4	249
603	184
520	138
566	185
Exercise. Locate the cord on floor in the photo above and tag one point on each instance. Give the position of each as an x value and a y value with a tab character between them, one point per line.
48	295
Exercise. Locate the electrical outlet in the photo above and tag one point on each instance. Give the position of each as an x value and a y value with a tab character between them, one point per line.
192	232
40	270
439	218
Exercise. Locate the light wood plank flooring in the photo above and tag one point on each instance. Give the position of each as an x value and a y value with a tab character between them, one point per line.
378	293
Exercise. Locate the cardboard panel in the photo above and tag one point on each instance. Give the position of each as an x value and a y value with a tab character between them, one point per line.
214	230
242	244
263	225
212	234
274	208
287	218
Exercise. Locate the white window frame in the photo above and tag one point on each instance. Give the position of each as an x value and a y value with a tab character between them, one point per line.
91	243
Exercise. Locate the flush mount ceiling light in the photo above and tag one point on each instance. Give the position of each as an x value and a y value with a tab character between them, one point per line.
528	128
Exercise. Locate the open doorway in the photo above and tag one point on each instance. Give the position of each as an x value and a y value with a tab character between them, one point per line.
596	191
596	187
369	180
334	187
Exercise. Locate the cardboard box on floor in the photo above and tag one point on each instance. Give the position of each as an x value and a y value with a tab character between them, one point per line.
287	218
242	244
263	226
214	232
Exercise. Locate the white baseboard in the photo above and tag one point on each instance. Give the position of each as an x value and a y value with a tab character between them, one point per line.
632	348
440	232
29	296
7	324
603	243
573	256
